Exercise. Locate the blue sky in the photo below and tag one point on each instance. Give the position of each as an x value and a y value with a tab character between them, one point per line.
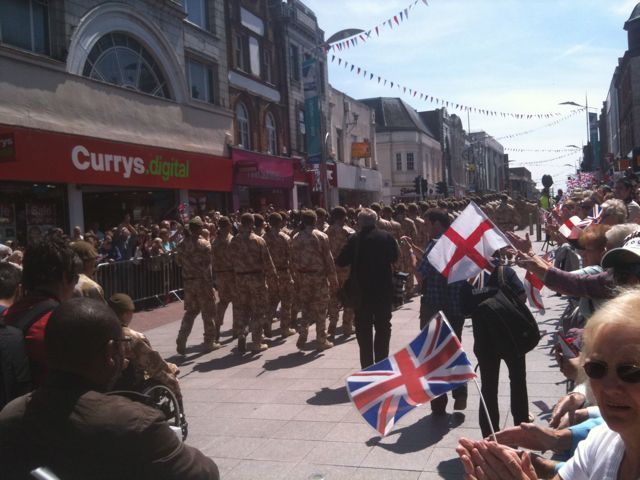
504	55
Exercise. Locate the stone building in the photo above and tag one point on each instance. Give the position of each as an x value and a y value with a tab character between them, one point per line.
405	148
109	108
353	150
490	167
451	135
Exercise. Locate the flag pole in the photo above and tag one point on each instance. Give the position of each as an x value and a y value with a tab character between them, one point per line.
486	411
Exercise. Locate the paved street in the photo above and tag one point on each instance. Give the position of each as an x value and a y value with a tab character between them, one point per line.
285	414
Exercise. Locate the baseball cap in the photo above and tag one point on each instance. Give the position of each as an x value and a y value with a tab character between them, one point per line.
629	253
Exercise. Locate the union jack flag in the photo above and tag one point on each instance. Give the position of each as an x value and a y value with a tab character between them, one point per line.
432	364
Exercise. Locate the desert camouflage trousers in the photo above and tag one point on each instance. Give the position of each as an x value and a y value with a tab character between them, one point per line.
281	292
334	302
251	303
312	296
198	298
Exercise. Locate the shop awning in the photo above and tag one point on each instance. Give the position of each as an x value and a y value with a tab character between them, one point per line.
255	169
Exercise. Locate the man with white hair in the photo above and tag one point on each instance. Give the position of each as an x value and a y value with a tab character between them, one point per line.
370	254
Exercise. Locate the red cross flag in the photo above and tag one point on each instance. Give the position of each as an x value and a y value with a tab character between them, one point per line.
467	246
572	228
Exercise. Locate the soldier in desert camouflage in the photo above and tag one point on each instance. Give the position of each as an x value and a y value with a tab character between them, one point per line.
338	234
223	276
408	261
194	256
145	363
253	266
315	275
279	245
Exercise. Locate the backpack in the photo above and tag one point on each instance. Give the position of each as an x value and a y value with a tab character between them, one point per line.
516	331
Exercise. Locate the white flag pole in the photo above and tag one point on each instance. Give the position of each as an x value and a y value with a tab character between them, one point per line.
486	411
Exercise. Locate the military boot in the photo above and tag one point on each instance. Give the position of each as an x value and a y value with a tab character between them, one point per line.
287	332
242	343
258	347
331	331
323	345
181	345
347	330
302	340
212	345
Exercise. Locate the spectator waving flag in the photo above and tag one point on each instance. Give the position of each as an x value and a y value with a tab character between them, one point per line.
467	246
432	364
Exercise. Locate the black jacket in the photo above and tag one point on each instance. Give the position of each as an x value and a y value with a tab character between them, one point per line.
377	250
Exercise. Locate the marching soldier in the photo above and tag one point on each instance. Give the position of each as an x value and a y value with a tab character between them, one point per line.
252	265
408	261
505	216
315	274
223	276
194	256
321	223
281	292
382	223
338	234
421	228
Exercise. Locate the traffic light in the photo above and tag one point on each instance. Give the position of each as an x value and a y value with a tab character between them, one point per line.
425	187
417	182
442	188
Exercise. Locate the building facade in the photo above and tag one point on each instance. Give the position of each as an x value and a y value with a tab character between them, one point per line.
449	132
520	183
405	148
489	165
352	143
306	96
109	108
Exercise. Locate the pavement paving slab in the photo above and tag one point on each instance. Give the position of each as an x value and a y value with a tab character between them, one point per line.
285	414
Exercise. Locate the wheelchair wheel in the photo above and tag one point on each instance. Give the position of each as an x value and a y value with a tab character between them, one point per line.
163	399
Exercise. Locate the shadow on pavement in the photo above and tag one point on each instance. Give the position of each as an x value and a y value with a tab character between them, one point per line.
425	433
329	396
290	360
228	361
451	469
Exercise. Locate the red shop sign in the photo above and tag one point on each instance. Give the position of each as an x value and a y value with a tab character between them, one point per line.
260	170
64	158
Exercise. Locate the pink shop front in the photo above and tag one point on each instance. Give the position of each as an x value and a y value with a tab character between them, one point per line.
260	180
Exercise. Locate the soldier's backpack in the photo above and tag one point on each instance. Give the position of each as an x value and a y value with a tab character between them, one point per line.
515	330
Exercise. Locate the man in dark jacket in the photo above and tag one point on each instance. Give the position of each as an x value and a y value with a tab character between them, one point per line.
71	426
370	254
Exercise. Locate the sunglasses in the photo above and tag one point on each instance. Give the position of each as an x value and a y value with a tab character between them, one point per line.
598	370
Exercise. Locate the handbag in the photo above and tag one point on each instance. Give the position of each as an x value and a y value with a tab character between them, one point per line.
350	294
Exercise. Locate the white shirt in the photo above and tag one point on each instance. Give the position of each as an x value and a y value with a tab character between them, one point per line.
598	457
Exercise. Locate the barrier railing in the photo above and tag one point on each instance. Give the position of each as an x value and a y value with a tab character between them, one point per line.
156	278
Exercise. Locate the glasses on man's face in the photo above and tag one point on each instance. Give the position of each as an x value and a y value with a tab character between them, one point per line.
597	370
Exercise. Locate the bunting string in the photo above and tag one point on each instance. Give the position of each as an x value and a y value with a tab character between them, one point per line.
541	150
368	75
354	41
542	162
552	124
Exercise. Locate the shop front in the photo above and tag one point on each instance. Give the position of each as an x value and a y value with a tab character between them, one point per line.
358	185
261	180
54	179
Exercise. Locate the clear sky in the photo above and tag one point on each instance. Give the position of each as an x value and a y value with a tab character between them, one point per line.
504	55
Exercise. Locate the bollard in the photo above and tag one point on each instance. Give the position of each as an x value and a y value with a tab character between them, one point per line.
530	224
538	231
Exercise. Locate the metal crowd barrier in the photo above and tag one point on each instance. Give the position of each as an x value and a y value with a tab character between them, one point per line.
152	279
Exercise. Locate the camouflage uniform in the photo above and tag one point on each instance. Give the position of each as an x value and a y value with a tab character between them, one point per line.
408	230
147	364
279	245
506	217
315	271
194	256
223	275
338	236
86	287
252	265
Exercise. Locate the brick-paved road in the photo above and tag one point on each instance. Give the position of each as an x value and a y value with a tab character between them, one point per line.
284	414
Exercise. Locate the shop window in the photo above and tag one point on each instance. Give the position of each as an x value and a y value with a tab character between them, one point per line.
399	162
121	60
242	126
202	81
197	12
410	162
25	24
272	134
294	62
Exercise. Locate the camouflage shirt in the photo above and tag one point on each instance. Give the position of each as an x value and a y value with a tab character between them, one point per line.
86	287
310	253
194	256
338	236
279	245
250	254
221	254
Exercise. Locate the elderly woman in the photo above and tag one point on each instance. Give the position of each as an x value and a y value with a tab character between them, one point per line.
611	360
614	212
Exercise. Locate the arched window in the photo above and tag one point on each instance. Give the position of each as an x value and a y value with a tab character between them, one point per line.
242	125
120	59
272	138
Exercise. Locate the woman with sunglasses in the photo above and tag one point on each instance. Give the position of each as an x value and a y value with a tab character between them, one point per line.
611	360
